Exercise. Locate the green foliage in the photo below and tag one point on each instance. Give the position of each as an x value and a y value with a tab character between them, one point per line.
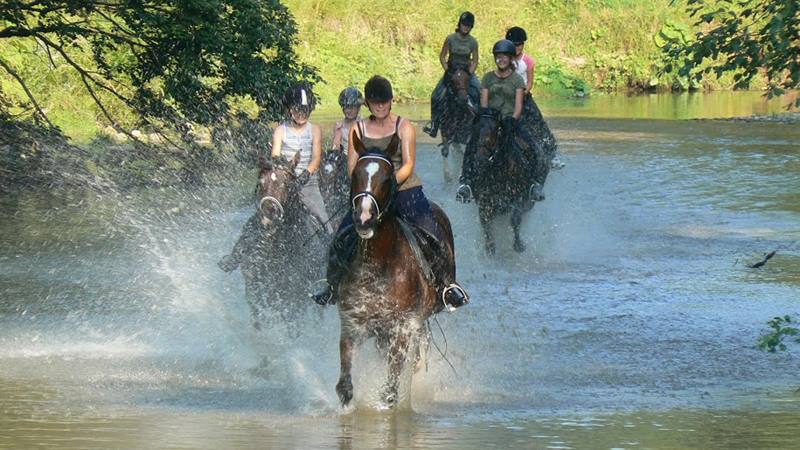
172	60
782	328
742	37
605	44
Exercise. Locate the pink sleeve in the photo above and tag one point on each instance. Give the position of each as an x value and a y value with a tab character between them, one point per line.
528	60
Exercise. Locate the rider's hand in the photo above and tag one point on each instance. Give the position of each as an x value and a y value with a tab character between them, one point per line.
303	178
510	123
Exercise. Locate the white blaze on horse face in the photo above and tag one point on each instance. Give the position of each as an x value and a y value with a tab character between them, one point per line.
366	201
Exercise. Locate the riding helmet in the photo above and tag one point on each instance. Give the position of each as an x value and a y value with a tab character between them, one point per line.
466	18
504	46
300	97
516	35
378	89
350	96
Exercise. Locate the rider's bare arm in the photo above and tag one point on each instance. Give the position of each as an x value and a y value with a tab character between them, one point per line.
518	103
473	65
277	141
316	148
352	156
484	98
443	54
337	136
531	70
408	135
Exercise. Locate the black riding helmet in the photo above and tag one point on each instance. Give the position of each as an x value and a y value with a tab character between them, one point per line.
516	35
350	96
504	46
300	97
466	18
378	89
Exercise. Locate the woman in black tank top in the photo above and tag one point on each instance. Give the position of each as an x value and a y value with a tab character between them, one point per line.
410	203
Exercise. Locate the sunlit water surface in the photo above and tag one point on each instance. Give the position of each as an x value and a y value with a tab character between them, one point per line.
630	322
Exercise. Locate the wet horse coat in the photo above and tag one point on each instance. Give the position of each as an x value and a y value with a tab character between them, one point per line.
282	245
386	293
458	113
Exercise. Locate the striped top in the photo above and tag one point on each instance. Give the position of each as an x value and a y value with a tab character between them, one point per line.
297	141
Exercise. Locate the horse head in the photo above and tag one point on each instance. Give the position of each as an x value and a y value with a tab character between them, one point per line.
276	190
485	136
373	185
458	79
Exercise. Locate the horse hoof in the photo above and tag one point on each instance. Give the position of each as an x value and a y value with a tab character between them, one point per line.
345	391
519	246
389	399
490	248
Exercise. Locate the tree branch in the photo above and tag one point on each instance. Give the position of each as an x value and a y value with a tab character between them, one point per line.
16	76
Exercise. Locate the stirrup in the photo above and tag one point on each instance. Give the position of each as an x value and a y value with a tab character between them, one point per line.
325	296
463	294
464	193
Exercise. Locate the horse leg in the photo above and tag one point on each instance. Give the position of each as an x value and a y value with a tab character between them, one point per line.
397	357
344	388
486	226
448	177
516	220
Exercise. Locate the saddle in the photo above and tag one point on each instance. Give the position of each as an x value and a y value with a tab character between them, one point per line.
426	248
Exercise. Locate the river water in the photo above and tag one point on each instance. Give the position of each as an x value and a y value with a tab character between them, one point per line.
630	322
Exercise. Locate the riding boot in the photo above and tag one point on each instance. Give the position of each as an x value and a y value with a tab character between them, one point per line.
246	241
449	291
432	128
340	255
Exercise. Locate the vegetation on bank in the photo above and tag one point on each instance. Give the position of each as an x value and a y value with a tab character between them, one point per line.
79	70
580	46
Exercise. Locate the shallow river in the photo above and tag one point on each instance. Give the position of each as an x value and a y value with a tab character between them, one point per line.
630	322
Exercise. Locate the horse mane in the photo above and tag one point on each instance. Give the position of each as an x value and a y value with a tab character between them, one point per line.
266	164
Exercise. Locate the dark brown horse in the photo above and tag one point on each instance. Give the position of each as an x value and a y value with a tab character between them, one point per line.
502	180
334	184
458	114
385	294
281	248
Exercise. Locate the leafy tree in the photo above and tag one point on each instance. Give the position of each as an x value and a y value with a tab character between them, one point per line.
744	37
170	61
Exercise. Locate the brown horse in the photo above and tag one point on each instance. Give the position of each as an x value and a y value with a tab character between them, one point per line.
386	293
282	247
458	114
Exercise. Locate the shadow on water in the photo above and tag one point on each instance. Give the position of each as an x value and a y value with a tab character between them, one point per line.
631	320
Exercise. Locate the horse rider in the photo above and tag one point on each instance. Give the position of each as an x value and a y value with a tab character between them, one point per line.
350	100
294	135
297	135
460	50
410	202
502	89
526	68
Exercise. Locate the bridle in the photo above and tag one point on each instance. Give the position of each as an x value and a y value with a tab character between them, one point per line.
370	195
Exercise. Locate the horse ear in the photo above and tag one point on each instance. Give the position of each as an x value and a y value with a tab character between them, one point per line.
394	145
295	160
358	145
